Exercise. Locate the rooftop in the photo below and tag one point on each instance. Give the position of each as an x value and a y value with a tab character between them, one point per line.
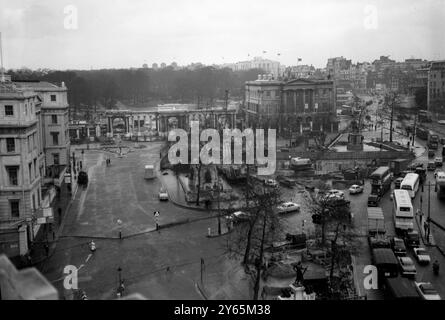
40	85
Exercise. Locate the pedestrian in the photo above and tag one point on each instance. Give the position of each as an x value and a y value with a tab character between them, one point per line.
46	249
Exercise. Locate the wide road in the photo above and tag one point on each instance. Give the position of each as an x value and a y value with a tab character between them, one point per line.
163	264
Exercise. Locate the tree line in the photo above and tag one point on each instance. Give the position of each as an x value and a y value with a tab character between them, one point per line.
141	86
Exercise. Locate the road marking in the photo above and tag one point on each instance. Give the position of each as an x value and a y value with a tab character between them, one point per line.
88	258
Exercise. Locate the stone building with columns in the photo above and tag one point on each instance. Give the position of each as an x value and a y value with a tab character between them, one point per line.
294	106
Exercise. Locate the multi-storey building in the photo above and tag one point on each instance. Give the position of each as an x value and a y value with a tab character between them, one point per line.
293	106
34	157
20	178
436	87
267	65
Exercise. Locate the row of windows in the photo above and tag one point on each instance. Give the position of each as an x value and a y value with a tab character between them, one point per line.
14	205
11	145
433	83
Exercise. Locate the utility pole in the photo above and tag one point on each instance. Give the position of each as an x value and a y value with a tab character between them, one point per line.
219	206
415	128
392	99
2	79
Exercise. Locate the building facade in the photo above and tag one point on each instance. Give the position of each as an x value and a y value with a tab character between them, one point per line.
20	156
293	107
436	87
34	157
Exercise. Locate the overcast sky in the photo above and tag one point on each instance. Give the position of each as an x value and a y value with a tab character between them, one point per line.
128	33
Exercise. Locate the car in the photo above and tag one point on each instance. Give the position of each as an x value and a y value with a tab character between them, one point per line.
442	122
427	291
412	239
163	195
373	200
438	161
355	189
165	173
270	183
431	153
407	267
422	255
398	246
335	192
288	207
398	182
431	166
239	216
82	178
285	181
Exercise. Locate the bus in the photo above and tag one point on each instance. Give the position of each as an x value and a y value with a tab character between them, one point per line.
422	133
440	183
411	184
433	140
380	180
401	289
425	116
403	211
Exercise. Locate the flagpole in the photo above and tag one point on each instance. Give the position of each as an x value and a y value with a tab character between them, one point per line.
1	60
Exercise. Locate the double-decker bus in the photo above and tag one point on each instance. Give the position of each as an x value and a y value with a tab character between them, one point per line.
411	184
403	211
433	140
422	133
380	180
424	116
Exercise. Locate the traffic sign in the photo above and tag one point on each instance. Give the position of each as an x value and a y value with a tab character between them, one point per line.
156	214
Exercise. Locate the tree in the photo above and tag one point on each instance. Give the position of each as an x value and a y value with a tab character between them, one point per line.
250	240
333	216
420	97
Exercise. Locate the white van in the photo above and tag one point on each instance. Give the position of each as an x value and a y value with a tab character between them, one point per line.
149	171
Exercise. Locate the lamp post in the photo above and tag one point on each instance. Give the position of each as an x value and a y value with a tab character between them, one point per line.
428	220
119	223
120	288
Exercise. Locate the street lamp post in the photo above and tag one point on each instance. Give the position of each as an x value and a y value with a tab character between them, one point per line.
119	223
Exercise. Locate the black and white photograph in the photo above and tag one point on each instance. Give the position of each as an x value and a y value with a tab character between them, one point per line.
230	154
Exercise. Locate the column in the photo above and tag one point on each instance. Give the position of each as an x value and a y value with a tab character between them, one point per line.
88	131
295	102
301	126
304	101
77	133
109	124
139	125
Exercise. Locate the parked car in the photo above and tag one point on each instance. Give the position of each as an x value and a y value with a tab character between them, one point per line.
398	246
288	207
355	189
239	216
407	267
431	166
427	291
412	239
441	122
398	182
286	182
422	255
270	183
163	195
431	153
373	200
438	161
82	179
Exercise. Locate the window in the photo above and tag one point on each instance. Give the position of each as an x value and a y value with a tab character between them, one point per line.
53	97
267	93
9	111
56	158
10	145
35	168
15	208
13	175
30	171
54	119
55	136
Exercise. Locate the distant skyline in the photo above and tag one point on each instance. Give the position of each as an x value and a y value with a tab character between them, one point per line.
129	33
